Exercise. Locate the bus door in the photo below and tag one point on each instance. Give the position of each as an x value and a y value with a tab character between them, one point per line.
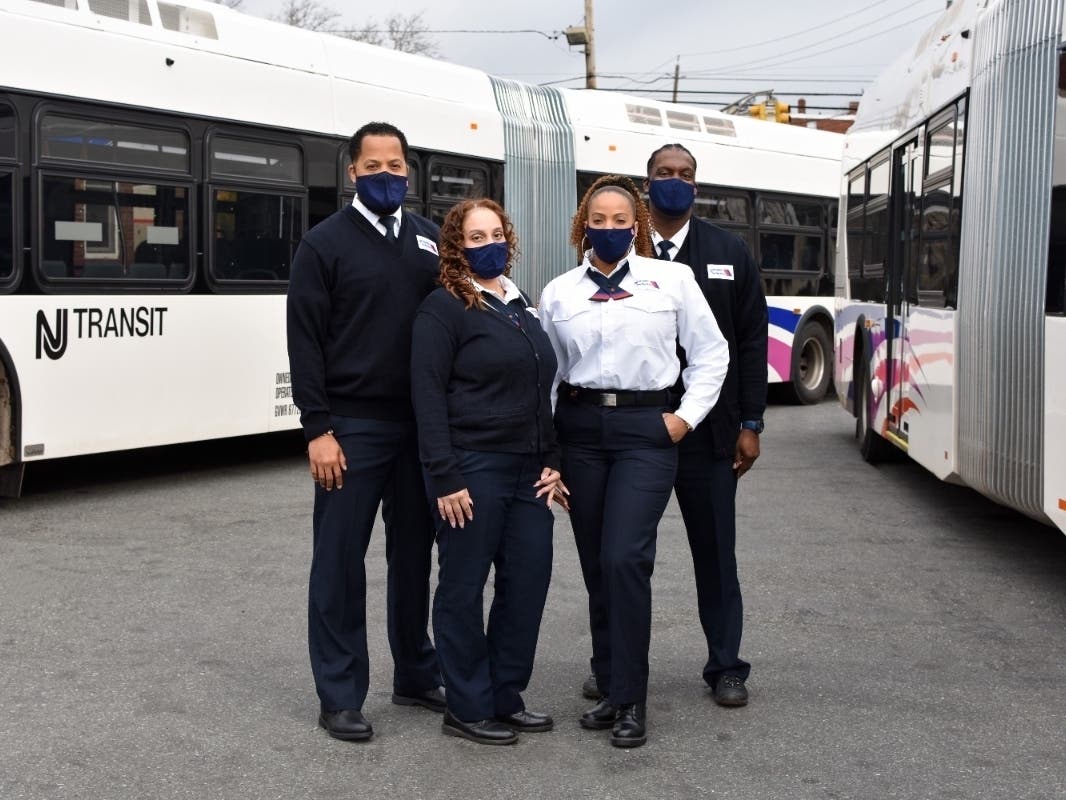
901	282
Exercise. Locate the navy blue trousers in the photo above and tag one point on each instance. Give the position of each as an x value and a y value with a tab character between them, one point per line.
706	490
619	465
485	673
383	469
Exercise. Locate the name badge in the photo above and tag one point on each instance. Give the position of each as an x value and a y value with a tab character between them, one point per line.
427	244
647	284
722	272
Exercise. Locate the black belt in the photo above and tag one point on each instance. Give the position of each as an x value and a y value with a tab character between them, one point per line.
615	397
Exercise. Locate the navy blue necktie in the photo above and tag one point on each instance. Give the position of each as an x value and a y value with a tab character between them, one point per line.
609	288
388	221
665	246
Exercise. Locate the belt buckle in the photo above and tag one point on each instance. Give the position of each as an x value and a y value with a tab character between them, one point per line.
608	399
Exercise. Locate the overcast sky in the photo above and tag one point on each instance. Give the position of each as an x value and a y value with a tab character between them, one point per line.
796	47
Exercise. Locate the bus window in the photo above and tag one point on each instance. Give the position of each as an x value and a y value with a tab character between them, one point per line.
255	234
450	181
256	161
935	261
794	213
722	208
113	144
7	225
113	230
7	132
856	199
257	209
1056	268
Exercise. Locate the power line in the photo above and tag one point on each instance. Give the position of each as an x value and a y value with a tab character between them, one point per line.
836	37
553	35
788	35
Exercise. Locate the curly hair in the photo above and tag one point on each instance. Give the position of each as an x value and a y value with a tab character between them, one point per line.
455	272
624	186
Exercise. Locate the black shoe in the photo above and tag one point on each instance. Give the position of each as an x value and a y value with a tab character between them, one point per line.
527	722
590	689
433	700
485	731
600	717
628	730
347	724
730	691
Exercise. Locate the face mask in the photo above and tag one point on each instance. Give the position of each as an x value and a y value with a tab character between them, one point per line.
610	244
489	260
673	196
381	192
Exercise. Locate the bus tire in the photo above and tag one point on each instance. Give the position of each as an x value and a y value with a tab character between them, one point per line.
872	446
812	364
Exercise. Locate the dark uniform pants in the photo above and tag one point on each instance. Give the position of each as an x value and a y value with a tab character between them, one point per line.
619	465
383	469
485	674
706	490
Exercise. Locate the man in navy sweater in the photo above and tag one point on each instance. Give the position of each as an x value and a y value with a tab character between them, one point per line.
357	279
725	446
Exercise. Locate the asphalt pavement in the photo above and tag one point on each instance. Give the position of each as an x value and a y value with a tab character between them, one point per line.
908	640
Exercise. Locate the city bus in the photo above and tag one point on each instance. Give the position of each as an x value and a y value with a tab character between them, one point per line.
950	325
160	161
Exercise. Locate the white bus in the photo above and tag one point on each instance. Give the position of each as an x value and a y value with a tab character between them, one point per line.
951	279
159	162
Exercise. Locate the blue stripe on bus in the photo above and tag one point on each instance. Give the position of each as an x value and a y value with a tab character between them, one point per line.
783	319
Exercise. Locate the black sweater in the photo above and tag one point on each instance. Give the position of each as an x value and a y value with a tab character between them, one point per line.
479	383
739	306
352	299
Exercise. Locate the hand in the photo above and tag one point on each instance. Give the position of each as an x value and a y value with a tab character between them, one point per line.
747	451
457	508
551	484
675	426
327	462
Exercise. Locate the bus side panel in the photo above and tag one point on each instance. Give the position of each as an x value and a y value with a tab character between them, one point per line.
927	407
1055	421
102	373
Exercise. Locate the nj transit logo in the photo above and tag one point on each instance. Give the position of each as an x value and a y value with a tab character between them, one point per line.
53	341
96	323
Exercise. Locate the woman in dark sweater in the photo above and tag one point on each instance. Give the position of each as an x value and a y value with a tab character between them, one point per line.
481	374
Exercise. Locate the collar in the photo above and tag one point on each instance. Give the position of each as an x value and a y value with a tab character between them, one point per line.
510	289
678	239
373	218
587	263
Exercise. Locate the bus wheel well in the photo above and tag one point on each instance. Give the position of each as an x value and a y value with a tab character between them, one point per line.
11	469
811	370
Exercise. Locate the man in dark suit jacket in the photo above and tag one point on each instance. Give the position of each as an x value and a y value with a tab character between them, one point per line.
725	445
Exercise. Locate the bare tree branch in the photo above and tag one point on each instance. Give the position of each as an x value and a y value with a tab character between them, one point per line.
313	15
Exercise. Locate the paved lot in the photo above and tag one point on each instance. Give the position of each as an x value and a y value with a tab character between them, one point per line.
908	641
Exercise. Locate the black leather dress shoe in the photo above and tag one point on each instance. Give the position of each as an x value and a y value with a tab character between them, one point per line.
730	691
600	717
590	689
628	730
485	731
433	700
527	722
347	724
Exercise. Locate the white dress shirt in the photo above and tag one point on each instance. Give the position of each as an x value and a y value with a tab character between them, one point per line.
510	289
676	240
375	219
629	344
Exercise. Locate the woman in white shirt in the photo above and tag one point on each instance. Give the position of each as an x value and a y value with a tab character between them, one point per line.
614	323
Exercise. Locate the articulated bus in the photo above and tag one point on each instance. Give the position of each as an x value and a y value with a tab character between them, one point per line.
161	159
951	278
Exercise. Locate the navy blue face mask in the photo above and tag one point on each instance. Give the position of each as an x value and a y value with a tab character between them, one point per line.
673	196
610	244
489	260
381	192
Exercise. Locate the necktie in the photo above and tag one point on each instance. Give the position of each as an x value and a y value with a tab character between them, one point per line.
388	221
665	246
609	288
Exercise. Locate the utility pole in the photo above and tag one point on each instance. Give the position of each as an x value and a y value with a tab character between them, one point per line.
590	57
677	76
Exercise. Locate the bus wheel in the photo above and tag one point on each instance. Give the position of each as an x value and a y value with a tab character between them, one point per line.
812	359
872	447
